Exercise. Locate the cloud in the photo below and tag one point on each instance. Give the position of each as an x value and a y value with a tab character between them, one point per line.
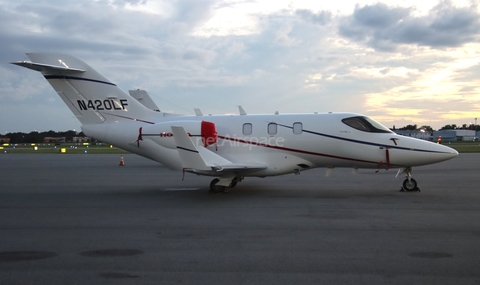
321	18
375	58
385	28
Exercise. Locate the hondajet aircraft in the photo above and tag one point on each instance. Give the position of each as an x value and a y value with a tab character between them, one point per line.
230	147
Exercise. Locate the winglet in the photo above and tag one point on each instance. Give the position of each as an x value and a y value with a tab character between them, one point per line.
196	157
189	154
199	159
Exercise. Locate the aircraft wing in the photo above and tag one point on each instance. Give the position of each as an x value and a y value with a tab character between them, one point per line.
200	160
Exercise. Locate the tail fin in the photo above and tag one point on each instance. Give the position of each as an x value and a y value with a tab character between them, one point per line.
145	99
90	96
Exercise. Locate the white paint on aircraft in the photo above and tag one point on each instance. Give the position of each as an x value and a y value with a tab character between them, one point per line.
230	147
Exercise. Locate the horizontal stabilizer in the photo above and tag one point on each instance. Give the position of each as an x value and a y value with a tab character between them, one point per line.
44	68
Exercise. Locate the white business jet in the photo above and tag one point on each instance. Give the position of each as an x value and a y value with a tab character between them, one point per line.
230	147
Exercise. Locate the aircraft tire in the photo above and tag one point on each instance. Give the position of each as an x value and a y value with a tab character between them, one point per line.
216	188
410	185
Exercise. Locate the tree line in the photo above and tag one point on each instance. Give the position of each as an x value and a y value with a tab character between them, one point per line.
39	137
446	127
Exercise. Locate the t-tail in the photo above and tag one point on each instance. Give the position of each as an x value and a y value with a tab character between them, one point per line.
92	98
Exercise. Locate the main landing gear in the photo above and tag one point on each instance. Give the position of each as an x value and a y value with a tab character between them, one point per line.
220	185
409	184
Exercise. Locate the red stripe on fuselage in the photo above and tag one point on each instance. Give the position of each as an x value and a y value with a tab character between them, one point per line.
295	150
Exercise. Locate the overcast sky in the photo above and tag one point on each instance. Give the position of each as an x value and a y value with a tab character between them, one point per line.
399	62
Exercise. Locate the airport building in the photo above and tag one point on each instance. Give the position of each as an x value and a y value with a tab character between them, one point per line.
446	135
54	139
4	140
419	134
64	139
455	135
80	139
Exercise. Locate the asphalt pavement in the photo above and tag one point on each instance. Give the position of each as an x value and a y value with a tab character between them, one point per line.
82	219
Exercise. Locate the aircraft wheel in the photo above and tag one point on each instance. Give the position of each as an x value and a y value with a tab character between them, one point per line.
216	188
410	185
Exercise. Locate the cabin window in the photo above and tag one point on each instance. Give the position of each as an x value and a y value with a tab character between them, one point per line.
272	129
366	124
297	128
247	129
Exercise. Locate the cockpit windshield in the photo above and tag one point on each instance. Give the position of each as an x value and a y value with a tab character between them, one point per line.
365	124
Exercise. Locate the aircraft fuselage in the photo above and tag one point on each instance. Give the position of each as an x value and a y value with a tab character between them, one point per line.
287	143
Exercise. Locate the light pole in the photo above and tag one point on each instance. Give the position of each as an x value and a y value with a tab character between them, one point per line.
475	130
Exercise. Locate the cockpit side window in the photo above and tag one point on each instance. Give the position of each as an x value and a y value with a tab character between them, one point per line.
365	124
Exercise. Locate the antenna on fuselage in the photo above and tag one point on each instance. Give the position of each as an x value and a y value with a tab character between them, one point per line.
241	110
329	171
198	112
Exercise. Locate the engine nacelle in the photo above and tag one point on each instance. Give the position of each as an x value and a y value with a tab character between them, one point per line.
202	133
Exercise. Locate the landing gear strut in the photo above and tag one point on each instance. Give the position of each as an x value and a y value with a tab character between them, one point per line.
409	184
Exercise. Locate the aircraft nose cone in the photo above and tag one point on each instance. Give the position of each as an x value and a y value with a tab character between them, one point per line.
444	151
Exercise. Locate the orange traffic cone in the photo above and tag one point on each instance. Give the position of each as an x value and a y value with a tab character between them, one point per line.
122	163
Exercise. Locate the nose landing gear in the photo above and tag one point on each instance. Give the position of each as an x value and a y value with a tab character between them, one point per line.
409	184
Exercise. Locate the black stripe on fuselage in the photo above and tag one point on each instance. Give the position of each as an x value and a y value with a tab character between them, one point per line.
77	78
363	142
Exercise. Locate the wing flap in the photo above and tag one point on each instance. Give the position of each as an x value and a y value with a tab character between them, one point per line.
241	166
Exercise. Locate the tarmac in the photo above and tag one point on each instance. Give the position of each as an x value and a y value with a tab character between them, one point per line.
82	219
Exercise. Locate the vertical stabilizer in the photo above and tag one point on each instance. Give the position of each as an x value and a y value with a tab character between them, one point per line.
91	97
